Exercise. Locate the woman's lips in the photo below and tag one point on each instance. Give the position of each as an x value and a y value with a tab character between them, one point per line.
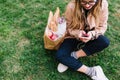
88	7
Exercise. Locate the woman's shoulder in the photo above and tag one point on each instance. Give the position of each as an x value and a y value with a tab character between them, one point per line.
104	4
71	4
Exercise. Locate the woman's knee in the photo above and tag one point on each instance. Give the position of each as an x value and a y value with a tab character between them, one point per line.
104	41
60	55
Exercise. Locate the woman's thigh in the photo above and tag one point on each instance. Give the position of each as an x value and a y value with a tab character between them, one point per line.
67	47
96	45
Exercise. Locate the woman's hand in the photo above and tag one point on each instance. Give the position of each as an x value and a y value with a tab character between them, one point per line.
85	37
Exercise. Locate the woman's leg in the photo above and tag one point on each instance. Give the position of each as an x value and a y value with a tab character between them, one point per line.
91	47
94	46
64	54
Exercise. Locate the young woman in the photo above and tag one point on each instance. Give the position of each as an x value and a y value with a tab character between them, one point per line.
86	24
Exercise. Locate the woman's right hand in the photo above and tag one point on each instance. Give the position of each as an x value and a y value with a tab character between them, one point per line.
84	37
81	33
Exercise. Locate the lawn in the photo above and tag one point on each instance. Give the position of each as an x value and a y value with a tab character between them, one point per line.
22	53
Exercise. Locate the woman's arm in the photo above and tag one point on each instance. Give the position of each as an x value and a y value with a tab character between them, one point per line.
100	30
68	15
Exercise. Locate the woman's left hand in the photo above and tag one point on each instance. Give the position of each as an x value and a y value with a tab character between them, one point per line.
86	37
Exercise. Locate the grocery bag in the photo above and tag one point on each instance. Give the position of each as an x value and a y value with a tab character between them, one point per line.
55	30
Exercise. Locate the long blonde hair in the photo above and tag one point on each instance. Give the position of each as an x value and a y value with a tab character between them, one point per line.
79	20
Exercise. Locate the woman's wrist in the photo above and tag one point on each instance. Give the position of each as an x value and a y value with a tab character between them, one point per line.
93	35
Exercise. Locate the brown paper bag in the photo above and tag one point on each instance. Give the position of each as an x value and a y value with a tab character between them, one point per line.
52	45
54	31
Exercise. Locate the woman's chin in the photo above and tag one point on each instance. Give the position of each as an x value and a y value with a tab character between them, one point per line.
88	8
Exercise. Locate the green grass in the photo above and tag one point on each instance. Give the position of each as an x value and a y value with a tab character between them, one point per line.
22	53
